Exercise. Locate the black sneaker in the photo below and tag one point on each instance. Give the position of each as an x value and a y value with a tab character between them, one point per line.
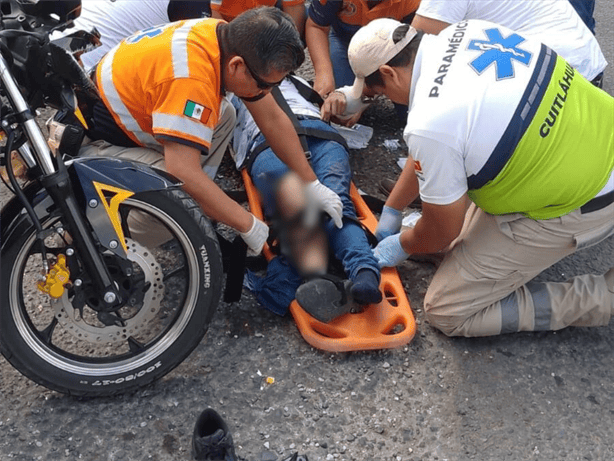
211	440
296	457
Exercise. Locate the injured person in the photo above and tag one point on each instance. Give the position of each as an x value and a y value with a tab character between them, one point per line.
303	232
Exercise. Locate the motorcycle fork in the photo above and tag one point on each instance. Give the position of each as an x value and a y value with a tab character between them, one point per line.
59	187
57	183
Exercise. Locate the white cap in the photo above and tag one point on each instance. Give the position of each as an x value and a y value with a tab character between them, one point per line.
371	47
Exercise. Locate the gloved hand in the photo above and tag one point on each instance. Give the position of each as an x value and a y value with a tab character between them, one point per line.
389	223
255	237
328	200
389	252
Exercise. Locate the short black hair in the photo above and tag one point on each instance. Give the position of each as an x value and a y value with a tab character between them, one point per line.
267	38
403	58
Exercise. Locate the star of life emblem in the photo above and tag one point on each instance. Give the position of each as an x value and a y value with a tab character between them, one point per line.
501	51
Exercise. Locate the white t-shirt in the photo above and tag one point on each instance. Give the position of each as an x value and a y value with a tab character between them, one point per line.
246	130
118	19
128	17
553	22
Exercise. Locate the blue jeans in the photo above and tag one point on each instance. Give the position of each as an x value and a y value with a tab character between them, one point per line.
342	71
585	8
330	162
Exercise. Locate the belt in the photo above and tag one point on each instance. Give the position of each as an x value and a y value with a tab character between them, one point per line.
307	117
598	203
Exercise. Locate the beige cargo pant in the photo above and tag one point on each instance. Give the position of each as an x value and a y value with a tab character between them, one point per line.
483	286
143	228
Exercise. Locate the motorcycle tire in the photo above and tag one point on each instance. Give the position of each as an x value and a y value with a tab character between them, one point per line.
172	291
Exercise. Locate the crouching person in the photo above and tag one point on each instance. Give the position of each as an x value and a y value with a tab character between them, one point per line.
164	103
513	172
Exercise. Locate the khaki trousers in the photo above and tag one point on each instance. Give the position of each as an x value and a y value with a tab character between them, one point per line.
483	286
143	228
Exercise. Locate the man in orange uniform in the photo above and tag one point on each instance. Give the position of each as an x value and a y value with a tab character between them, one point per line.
230	9
163	98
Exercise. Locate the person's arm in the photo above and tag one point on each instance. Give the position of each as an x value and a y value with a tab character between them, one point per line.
299	15
317	44
428	25
440	177
406	188
183	162
436	229
404	192
281	135
438	226
335	109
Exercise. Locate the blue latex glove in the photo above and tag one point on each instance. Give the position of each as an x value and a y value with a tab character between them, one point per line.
389	252
389	223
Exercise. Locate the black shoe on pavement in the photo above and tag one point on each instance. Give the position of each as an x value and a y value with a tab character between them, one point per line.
211	440
296	457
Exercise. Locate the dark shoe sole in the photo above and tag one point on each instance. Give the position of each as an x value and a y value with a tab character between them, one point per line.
324	299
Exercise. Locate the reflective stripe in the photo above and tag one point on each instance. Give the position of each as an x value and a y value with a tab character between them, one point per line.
127	121
510	316
542	307
182	124
520	121
179	49
217	3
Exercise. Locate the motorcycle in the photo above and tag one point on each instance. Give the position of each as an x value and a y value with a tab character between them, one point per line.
86	307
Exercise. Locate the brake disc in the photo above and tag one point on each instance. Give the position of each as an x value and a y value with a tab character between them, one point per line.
89	328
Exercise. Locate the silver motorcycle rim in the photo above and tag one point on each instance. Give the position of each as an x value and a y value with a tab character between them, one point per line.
145	358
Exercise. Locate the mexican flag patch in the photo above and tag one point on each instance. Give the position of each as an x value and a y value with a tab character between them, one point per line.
196	111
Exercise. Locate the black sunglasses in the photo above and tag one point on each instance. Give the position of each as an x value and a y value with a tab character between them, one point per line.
261	84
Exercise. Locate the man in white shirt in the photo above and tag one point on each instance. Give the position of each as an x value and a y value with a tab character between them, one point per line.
497	122
552	22
118	19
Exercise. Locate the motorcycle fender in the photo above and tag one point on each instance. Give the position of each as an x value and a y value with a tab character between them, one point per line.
133	176
106	183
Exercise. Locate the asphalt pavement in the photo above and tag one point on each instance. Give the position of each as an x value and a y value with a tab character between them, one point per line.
526	396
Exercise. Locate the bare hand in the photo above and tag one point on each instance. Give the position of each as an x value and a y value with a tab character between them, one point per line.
334	106
348	121
324	85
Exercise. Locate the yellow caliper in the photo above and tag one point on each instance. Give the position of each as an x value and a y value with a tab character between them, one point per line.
56	278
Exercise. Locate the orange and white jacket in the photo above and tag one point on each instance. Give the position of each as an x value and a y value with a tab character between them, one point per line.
165	83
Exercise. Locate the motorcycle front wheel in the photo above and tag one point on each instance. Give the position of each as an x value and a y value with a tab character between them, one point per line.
170	292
